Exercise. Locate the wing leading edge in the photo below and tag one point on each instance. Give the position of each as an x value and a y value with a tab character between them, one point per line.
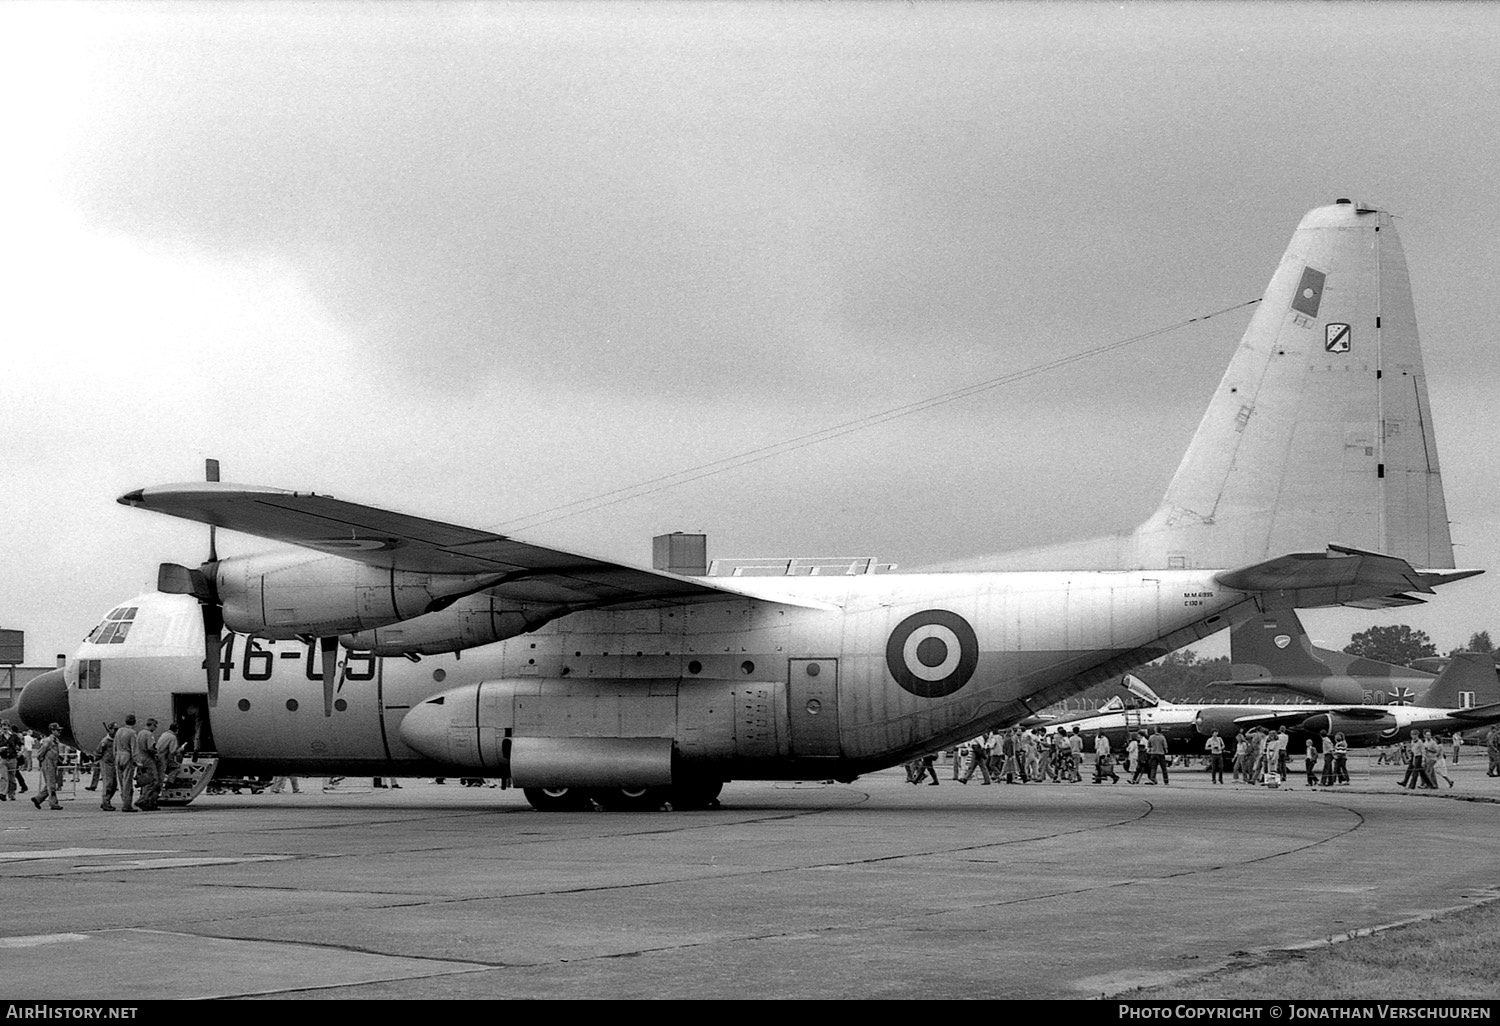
398	541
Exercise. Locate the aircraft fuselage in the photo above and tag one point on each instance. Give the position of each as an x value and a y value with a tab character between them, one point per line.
882	667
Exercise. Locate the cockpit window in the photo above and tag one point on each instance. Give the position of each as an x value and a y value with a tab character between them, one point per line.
115	626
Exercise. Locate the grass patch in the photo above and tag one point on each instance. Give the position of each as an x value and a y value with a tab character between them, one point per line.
1448	957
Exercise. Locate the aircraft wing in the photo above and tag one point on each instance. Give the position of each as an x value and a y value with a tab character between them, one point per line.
1478	713
398	541
1340	576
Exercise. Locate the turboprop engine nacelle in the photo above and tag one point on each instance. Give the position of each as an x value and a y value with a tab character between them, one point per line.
1209	720
290	594
469	622
1335	723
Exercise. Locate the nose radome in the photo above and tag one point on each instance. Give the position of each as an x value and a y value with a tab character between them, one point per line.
44	701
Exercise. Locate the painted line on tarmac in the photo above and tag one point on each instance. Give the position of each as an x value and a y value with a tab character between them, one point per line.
37	940
183	862
79	853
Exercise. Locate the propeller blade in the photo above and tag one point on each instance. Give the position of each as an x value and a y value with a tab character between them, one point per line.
330	650
211	473
175	579
213	629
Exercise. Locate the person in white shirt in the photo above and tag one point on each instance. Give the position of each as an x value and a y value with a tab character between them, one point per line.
1215	748
1104	763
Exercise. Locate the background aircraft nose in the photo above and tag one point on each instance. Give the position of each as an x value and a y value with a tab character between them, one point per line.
44	701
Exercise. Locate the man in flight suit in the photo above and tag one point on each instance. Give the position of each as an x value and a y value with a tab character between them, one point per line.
167	757
145	767
10	773
104	758
48	754
125	763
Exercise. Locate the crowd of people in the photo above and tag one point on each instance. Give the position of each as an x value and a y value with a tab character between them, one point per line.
129	761
1256	756
1025	756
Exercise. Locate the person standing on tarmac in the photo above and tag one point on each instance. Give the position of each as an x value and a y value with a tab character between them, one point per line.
978	758
1215	748
125	763
1157	743
145	767
47	755
104	758
167	756
1341	759
1104	760
10	748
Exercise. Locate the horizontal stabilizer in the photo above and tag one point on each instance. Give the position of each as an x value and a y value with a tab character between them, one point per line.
1324	689
1339	576
1263	684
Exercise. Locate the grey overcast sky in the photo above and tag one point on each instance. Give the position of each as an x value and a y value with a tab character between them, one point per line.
471	261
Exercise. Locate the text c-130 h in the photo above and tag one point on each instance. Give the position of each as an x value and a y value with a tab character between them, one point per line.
576	677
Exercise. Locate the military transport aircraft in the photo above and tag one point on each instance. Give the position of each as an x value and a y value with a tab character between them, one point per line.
1466	695
1312	480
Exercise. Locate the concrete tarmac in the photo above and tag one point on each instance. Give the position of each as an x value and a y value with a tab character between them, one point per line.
876	889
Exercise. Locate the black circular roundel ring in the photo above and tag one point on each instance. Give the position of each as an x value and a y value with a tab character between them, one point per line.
932	653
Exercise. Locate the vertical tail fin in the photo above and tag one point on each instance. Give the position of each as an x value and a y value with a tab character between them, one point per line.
1274	644
1320	431
1272	650
1468	680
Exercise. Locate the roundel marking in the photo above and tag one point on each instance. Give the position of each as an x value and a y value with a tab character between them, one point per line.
1282	640
932	653
354	544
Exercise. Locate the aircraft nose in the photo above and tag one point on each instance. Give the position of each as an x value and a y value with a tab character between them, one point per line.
44	701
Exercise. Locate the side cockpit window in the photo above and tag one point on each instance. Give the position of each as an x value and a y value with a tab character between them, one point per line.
115	628
88	675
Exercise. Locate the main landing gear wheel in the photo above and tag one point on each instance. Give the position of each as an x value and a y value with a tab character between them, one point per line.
631	799
556	799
